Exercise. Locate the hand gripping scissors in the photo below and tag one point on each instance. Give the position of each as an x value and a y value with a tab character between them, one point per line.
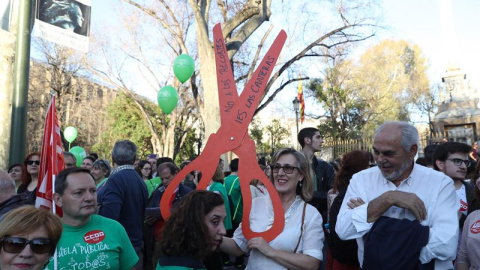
236	113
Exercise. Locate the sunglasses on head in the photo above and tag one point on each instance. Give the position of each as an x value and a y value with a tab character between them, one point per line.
17	244
31	162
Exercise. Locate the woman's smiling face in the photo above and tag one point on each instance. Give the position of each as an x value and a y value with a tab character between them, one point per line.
286	174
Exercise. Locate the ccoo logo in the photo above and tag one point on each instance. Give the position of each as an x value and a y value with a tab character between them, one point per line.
94	237
475	227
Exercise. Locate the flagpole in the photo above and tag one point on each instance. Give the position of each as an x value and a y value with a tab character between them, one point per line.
54	209
54	164
53	150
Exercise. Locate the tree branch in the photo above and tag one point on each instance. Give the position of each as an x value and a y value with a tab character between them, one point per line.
271	97
257	54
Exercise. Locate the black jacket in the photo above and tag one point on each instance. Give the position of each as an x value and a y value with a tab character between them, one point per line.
324	176
395	244
14	202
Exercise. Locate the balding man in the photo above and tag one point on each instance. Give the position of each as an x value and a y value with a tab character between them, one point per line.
8	199
70	160
398	189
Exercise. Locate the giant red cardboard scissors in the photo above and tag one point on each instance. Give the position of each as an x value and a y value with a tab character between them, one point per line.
236	113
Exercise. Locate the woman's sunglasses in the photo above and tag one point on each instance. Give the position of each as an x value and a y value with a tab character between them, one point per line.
31	162
17	244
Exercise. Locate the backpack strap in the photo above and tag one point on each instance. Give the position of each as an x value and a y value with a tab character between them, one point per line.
231	187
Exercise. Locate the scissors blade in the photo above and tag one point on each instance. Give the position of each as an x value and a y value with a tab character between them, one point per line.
247	103
227	90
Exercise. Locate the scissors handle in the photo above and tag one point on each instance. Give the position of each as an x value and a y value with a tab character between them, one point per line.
206	163
249	170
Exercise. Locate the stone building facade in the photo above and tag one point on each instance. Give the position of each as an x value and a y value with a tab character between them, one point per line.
81	103
459	109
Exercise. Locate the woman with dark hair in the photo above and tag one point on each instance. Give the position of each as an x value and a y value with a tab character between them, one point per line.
30	178
144	169
194	230
299	245
16	171
467	257
88	162
352	162
28	238
216	185
214	260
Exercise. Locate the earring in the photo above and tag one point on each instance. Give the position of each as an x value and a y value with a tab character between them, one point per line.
301	183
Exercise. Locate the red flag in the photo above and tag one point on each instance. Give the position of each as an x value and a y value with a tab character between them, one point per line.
302	102
51	161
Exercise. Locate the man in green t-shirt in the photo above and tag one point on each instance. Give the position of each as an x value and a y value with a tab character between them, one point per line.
232	185
88	241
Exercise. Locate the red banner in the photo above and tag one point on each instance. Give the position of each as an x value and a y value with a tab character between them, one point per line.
51	161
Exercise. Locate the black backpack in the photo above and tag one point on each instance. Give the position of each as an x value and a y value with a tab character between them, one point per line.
343	251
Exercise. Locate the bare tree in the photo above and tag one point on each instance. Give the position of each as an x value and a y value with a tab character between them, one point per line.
114	64
63	65
155	32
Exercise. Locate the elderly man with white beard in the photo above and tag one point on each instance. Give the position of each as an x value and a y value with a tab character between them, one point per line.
400	189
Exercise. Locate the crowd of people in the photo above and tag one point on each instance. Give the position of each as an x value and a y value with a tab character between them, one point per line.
380	210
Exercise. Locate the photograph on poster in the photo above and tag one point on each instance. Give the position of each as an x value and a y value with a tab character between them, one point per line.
70	15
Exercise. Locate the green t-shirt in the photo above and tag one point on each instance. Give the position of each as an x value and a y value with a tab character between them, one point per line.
102	243
152	184
179	263
218	187
102	182
232	186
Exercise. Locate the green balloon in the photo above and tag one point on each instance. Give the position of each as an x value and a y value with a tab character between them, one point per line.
183	67
79	154
70	134
167	99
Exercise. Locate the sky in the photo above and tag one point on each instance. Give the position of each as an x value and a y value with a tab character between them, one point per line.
444	34
421	22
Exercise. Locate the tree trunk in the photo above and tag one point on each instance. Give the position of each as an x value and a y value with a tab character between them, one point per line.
210	111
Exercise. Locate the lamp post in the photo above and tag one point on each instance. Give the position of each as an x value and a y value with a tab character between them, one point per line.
296	107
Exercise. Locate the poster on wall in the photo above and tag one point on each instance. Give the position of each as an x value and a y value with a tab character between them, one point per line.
65	22
5	8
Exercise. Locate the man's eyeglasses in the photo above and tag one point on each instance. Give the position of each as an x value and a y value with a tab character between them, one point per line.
31	162
288	169
458	162
17	244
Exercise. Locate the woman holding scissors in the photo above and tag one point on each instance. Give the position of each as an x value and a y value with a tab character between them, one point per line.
300	244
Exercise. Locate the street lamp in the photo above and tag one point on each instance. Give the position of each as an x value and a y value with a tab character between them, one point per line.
296	107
